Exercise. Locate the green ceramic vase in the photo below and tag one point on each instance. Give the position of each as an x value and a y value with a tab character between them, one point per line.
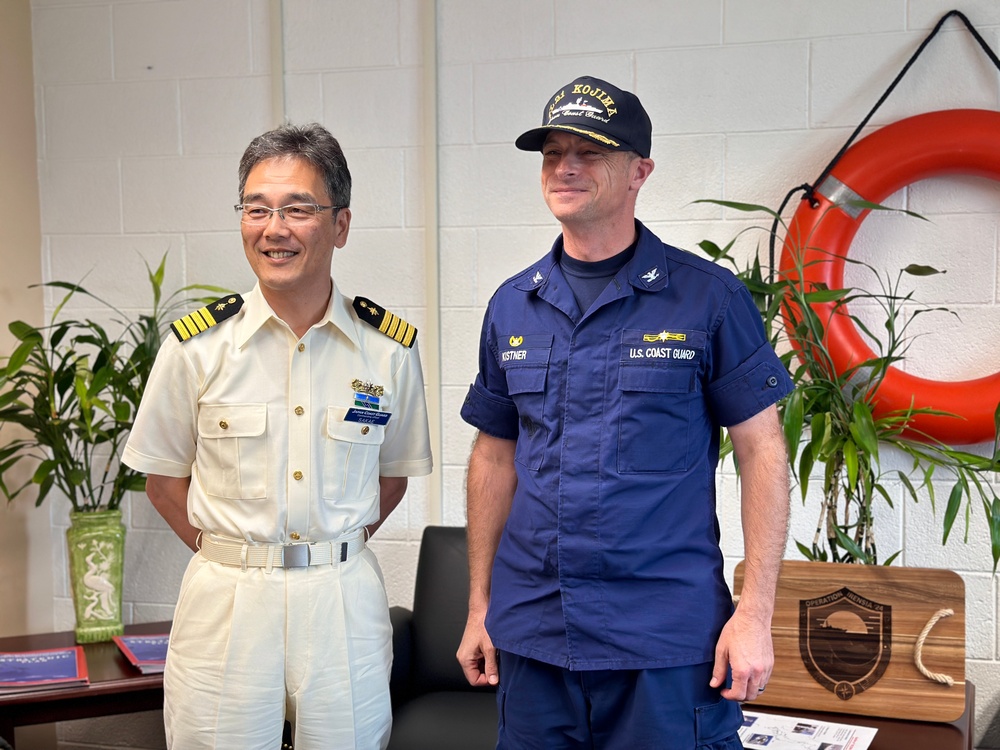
96	543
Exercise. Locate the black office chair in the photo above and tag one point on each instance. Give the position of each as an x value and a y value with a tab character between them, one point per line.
434	707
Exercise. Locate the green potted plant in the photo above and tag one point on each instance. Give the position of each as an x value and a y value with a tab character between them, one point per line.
68	396
835	438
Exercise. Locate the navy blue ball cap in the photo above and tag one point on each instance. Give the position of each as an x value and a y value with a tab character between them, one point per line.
596	110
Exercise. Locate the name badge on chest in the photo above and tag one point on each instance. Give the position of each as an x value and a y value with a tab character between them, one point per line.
367	416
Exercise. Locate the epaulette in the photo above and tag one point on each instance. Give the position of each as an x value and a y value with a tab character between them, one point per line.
201	320
391	325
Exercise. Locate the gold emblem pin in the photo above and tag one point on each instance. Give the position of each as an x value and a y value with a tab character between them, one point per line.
363	386
664	336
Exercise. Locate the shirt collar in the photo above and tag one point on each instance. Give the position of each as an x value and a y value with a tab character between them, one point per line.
256	312
646	271
536	275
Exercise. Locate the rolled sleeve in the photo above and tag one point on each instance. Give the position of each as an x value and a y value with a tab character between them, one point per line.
759	382
489	413
488	406
748	376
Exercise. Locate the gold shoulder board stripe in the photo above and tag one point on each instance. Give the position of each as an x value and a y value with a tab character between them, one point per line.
388	323
201	320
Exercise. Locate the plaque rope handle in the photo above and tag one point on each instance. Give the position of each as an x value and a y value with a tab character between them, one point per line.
919	649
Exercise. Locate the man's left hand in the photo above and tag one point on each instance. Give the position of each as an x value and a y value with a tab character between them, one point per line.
745	646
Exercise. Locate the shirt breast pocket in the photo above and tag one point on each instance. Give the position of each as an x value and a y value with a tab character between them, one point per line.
655	420
350	457
232	450
526	386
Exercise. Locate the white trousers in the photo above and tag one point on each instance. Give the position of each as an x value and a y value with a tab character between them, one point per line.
249	647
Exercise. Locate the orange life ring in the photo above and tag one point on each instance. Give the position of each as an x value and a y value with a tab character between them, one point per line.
960	141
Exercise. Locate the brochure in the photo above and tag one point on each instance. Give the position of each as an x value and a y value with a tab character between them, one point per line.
774	732
23	671
147	653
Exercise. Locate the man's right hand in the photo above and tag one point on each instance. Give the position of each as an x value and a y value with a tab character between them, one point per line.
476	654
490	487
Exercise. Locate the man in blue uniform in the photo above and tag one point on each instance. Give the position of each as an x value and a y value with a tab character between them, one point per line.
598	603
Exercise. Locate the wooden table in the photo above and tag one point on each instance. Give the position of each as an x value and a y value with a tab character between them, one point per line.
116	687
900	734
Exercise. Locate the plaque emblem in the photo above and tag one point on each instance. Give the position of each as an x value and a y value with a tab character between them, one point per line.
845	641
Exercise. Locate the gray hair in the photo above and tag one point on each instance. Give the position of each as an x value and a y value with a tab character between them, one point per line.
312	142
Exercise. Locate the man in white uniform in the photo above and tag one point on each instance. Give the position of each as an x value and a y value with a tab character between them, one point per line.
278	432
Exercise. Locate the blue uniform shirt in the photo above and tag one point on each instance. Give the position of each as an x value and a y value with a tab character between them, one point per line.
610	556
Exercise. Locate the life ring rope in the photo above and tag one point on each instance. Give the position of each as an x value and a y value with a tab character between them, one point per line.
808	189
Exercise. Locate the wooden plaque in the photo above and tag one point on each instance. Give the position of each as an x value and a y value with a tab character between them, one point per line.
845	636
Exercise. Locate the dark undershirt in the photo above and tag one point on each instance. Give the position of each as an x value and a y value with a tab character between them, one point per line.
589	279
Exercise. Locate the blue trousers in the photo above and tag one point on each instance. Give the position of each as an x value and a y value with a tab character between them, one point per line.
544	707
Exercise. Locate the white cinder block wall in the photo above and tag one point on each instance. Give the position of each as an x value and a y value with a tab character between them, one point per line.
144	106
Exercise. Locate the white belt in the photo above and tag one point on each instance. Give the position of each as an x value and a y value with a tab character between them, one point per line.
245	555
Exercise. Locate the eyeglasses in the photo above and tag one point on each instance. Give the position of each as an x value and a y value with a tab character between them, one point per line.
294	213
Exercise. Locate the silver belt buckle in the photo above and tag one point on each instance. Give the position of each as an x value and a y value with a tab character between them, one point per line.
295	556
